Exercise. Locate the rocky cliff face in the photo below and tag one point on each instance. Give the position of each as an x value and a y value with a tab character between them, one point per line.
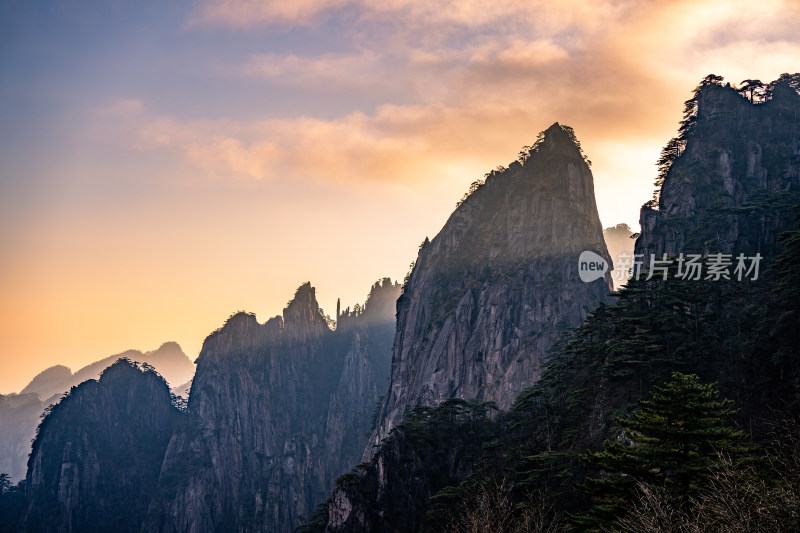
733	187
492	291
96	458
276	412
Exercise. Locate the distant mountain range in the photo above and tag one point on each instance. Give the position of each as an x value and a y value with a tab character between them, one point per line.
169	360
19	413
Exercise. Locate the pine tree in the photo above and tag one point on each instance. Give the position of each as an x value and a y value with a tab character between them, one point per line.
670	442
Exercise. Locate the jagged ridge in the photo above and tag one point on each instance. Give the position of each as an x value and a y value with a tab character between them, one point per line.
276	412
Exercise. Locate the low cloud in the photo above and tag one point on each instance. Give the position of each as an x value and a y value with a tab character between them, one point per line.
476	81
396	143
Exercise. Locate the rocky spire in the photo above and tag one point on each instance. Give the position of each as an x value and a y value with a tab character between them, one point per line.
303	309
492	291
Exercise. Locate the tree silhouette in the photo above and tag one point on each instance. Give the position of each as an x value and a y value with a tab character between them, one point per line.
670	442
751	89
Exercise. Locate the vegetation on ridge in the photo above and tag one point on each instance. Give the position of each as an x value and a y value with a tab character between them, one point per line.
755	91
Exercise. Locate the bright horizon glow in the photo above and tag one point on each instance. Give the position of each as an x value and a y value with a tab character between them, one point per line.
165	165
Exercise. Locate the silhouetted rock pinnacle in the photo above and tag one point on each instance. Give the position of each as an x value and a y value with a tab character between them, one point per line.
493	290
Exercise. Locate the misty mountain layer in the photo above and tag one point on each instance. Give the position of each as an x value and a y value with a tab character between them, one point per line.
276	412
169	360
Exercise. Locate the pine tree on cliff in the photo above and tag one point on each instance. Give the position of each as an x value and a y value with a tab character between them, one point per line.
676	145
673	439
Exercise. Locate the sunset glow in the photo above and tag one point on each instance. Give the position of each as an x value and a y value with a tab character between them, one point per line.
164	165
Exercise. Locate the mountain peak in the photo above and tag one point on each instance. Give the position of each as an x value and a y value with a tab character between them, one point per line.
382	300
168	347
121	369
303	307
559	138
126	414
554	129
45	380
479	310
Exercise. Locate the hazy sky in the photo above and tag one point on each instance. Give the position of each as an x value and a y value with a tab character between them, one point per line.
164	164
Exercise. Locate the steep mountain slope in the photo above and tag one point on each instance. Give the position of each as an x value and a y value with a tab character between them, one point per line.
97	454
484	302
276	412
493	290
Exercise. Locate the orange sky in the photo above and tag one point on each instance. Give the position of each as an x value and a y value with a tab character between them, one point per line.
164	167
